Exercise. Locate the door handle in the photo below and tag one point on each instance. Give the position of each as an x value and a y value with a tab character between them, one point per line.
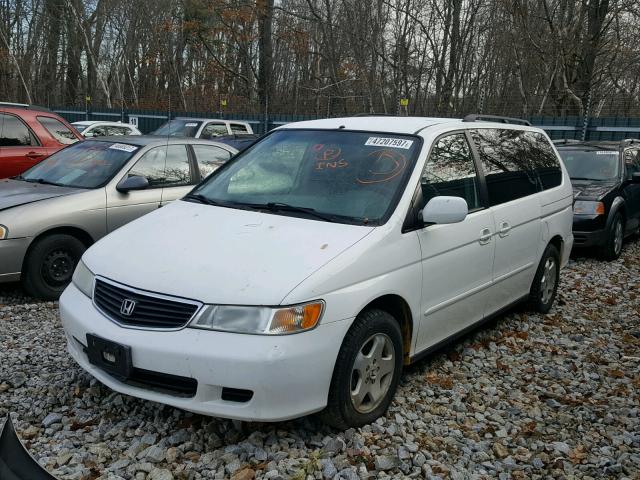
35	155
504	229
485	236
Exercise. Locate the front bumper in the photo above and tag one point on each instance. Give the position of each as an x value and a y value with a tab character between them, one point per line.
289	375
589	230
12	252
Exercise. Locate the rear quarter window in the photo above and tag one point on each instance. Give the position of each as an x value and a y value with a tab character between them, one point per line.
544	159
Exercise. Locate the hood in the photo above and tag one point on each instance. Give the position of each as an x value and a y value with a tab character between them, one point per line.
17	192
219	255
591	190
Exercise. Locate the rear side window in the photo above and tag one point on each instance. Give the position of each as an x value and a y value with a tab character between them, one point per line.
450	170
544	159
214	130
15	133
58	130
210	158
113	131
238	128
506	161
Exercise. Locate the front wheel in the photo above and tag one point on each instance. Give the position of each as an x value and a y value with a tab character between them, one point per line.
367	371
50	264
612	249
545	283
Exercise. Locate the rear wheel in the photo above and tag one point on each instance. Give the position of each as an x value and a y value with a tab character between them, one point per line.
50	264
367	371
545	283
612	249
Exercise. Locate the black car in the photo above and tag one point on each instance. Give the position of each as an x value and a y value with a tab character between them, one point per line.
606	187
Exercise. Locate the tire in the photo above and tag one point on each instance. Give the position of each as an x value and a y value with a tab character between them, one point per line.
612	248
374	335
49	265
543	293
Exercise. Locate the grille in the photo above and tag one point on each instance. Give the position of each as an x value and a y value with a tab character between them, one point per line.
149	311
163	382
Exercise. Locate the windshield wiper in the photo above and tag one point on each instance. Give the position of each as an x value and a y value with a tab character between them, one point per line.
42	181
285	207
198	197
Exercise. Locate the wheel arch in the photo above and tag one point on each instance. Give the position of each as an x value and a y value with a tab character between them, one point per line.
399	309
76	232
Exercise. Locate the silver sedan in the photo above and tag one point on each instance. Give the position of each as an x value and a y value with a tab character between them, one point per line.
51	213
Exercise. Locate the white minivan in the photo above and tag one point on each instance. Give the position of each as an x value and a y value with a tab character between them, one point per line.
302	275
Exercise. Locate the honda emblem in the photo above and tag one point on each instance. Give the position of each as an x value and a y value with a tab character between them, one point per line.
127	307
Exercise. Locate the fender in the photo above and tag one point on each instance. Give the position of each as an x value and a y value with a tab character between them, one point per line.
618	203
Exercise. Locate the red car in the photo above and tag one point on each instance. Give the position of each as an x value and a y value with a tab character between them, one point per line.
28	135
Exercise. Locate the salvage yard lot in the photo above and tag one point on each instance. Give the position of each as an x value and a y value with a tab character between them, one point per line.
527	396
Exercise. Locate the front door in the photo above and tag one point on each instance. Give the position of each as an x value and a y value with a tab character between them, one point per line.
180	176
632	190
457	259
125	207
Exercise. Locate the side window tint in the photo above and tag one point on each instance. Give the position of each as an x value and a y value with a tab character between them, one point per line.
15	133
177	169
450	170
238	128
543	158
151	166
58	130
213	130
506	163
210	158
632	161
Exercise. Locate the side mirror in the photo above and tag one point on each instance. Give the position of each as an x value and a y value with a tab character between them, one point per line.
444	209
134	182
635	177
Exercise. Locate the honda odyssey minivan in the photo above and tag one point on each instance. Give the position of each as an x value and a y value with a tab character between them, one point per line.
305	273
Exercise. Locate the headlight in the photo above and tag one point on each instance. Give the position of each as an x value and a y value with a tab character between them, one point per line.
260	320
584	207
83	279
4	232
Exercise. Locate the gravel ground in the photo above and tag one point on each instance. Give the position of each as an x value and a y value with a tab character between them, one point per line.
528	396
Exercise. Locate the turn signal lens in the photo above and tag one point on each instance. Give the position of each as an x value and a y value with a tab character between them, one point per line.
582	207
3	232
296	319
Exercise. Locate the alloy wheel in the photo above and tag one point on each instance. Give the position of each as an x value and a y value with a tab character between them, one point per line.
372	372
548	282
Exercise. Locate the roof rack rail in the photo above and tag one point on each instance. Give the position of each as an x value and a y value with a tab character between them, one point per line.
474	117
375	115
560	141
24	105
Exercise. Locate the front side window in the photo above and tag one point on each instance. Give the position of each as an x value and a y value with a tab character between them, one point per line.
98	131
15	133
342	176
632	161
210	158
450	170
506	162
58	130
213	130
114	131
166	166
87	164
591	164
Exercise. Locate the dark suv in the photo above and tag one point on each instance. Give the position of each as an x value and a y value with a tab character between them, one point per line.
606	186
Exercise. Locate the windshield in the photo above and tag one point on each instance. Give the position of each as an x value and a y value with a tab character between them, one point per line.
87	164
179	128
342	176
591	164
79	128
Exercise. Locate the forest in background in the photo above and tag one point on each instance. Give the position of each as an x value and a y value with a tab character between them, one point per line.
326	57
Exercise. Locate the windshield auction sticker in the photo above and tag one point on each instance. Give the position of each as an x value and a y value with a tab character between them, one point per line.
606	152
123	147
389	142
